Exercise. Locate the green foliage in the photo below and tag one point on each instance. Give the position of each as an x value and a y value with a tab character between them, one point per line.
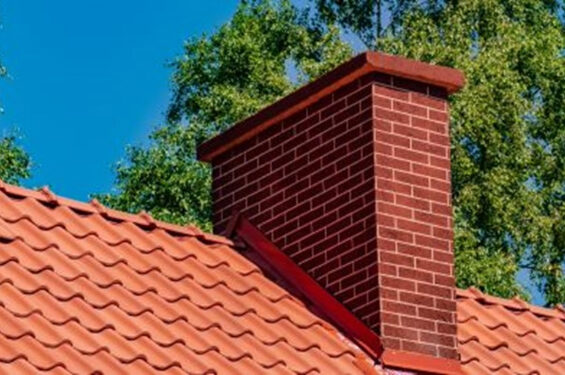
508	135
363	17
15	164
165	179
508	124
263	53
368	19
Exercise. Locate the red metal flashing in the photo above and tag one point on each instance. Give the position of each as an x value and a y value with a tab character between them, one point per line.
420	362
349	324
450	79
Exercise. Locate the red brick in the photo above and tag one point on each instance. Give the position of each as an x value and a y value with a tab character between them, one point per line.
443	256
414	274
395	234
391	93
413	226
422	324
397	283
449	329
412	179
361	94
424	170
392	116
441	209
438	116
426	217
418	157
410	132
410	108
333	109
405	333
415	251
400	308
392	319
428	101
383	102
393	139
388	269
383	125
365	119
436	267
429	148
256	151
416	299
444	280
419	204
433	338
440	162
431	242
439	139
412	346
394	210
429	125
396	259
384	184
391	343
432	195
434	290
436	315
440	185
450	353
445	304
355	189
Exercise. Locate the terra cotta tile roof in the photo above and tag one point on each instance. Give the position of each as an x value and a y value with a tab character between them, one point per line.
508	337
89	290
85	289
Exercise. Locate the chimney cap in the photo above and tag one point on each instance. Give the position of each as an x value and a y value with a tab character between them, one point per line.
448	78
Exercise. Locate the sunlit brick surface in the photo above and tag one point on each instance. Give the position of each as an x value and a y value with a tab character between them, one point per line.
356	189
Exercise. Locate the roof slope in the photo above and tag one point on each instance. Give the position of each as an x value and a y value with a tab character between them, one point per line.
85	289
507	337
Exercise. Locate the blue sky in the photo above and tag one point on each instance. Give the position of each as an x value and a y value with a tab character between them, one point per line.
89	77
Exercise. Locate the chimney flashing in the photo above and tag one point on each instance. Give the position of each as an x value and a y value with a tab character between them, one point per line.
449	79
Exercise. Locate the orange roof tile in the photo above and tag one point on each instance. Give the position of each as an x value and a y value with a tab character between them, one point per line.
501	336
85	289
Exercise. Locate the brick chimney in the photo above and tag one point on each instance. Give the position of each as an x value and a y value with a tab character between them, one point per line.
350	177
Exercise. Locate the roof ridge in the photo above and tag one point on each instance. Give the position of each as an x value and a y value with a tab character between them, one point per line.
515	303
144	219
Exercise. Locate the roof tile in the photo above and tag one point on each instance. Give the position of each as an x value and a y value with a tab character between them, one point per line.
84	288
499	336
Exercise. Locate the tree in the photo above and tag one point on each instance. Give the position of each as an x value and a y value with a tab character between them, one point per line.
508	124
15	164
368	19
508	135
262	54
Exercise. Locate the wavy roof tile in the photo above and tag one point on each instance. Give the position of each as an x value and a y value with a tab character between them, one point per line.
509	337
85	289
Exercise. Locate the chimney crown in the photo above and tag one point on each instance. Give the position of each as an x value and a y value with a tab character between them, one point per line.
452	80
350	177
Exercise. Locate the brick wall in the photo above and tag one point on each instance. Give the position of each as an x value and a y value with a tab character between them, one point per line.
355	189
414	219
